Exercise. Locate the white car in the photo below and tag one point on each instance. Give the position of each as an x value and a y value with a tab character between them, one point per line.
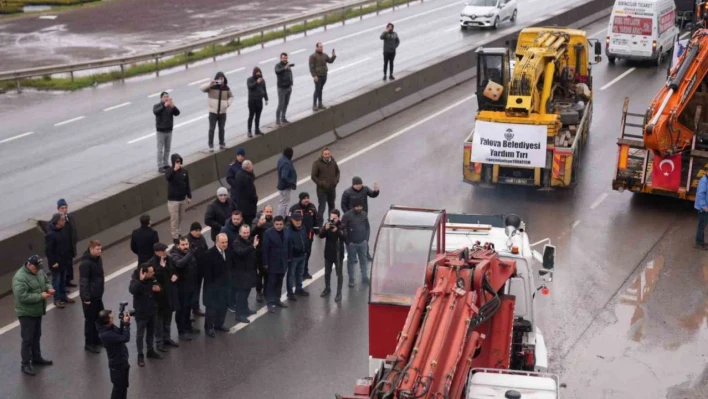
487	13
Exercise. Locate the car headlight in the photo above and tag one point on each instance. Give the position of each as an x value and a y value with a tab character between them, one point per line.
491	14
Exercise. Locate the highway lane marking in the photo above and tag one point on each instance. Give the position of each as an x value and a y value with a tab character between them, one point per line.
598	201
617	79
378	28
78	118
235	70
683	35
19	136
158	93
269	60
451	29
141	138
125	104
147	136
599	32
298	51
575	224
198	81
350	65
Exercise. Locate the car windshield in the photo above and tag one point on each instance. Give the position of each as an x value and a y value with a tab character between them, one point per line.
482	3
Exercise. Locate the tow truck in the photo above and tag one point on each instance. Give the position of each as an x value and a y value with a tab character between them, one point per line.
451	309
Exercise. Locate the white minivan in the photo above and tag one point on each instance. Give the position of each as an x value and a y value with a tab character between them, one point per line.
641	30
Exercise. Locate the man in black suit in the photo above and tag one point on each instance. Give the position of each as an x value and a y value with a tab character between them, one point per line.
277	252
143	239
216	285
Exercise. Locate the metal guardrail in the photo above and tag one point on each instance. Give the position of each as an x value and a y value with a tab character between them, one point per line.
185	48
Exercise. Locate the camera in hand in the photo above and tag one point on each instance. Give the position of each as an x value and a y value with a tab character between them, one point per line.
121	310
216	83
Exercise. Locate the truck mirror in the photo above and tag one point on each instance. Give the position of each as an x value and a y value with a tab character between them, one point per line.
598	48
549	257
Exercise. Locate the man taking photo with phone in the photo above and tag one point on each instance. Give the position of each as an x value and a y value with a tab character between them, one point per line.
220	99
318	70
164	111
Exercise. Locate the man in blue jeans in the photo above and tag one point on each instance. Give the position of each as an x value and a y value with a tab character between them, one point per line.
355	224
701	205
296	264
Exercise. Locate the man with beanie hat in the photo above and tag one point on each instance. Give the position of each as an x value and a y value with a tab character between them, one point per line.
287	180
220	99
219	211
200	247
358	192
310	222
58	251
296	264
233	170
164	111
179	194
70	229
355	224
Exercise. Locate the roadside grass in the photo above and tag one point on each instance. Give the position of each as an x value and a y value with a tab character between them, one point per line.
80	82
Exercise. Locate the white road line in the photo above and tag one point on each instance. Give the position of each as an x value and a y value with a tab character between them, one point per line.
456	4
451	29
599	32
598	201
141	138
683	35
350	65
198	81
19	136
78	118
298	51
235	70
617	79
117	106
147	136
158	93
269	60
575	224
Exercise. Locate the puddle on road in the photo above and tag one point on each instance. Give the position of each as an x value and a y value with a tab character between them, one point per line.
36	8
639	292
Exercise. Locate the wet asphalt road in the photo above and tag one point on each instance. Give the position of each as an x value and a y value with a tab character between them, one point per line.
625	317
82	143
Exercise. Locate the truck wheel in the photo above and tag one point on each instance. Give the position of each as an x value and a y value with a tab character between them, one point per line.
611	59
660	57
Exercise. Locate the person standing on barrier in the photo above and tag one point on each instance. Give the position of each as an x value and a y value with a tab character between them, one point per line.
220	99
390	44
310	222
143	239
246	196
166	298
257	93
285	87
355	224
58	251
318	70
287	180
277	252
260	225
179	195
358	192
164	111
334	253
196	240
70	229
219	211
325	174
216	285
115	340
145	289
92	281
30	290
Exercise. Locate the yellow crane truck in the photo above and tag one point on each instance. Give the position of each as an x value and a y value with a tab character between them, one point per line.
534	109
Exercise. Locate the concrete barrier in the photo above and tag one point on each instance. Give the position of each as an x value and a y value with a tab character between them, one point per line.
113	213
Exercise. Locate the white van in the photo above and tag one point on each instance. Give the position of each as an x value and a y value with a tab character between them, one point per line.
641	30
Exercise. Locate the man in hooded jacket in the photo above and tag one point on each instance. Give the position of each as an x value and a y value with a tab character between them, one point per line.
220	99
287	180
58	250
257	93
246	196
390	44
179	194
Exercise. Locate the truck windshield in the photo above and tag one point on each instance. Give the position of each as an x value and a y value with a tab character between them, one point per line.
631	25
482	3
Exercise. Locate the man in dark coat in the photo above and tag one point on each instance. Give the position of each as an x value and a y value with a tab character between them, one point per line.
114	339
58	250
233	170
296	263
257	93
199	244
216	286
179	194
143	240
390	44
91	290
165	112
70	229
219	211
231	226
243	272
358	192
144	288
260	225
276	254
167	301
355	224
185	263
287	180
325	174
245	187
310	222
334	253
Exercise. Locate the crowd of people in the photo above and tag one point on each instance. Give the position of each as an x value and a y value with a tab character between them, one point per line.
252	248
220	96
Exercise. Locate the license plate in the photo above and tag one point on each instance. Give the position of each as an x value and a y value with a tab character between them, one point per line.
515	180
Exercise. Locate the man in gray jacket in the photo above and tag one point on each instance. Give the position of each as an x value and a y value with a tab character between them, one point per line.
355	225
318	70
391	42
220	99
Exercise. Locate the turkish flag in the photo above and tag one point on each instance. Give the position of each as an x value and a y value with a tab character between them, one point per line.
666	172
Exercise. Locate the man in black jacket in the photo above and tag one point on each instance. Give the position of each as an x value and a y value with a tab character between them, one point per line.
199	244
358	192
277	250
219	211
114	340
261	223
58	250
166	298
285	87
179	194
334	252
233	170
185	262
310	221
232	226
257	93
143	239
144	287
246	197
355	224
296	264
70	230
91	290
164	111
390	44
216	286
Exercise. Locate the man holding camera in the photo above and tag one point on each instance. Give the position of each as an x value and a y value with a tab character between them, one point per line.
166	298
220	99
318	70
31	289
164	111
114	339
185	262
285	87
144	288
334	253
179	194
91	283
